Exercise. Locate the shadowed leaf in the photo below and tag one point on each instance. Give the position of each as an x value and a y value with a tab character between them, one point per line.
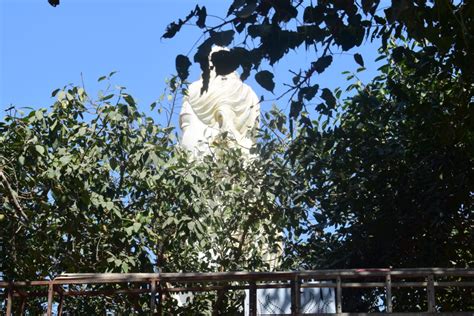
265	79
322	63
327	96
358	59
224	62
53	2
182	66
202	15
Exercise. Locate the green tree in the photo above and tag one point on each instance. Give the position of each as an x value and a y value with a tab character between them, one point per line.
96	186
393	177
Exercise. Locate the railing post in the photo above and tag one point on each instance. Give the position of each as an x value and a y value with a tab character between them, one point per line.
295	296
22	306
430	290
60	306
338	295
252	299
49	311
219	300
60	290
9	300
152	297
160	298
388	285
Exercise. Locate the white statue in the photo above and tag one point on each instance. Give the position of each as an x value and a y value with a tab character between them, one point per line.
228	105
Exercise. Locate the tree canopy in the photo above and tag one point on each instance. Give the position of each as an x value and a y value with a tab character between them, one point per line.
95	185
270	29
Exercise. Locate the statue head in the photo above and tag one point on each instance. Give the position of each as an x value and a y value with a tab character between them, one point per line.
228	105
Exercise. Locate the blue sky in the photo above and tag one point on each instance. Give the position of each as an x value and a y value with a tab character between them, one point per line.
43	48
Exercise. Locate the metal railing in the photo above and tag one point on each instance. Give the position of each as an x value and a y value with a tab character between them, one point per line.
158	284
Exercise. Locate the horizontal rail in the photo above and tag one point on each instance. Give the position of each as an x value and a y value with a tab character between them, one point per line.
97	278
305	276
279	275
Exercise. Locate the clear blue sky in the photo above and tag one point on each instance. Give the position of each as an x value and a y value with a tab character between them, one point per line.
43	48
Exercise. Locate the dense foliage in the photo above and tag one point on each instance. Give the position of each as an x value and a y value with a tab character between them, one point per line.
97	186
393	179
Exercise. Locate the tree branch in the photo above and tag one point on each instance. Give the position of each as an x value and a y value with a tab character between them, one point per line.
12	195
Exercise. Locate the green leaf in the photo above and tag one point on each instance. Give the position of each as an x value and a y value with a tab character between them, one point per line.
61	95
125	267
265	79
107	97
129	231
39	115
136	227
109	205
129	99
169	221
65	159
39	149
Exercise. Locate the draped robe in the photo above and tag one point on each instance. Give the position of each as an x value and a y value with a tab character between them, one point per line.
229	105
